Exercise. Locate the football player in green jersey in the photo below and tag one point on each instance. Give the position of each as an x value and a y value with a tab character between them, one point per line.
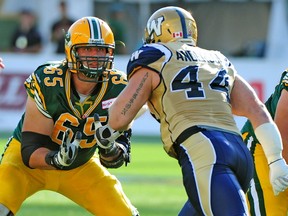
53	147
260	196
193	93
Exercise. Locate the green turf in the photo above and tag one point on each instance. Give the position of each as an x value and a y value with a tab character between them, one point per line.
152	181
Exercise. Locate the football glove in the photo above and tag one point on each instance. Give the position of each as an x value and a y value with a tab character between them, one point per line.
67	152
123	155
278	175
104	135
114	146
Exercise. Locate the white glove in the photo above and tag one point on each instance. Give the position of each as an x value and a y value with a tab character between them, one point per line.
104	135
278	175
67	152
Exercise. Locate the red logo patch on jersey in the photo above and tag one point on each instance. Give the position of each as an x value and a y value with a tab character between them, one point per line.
177	34
106	104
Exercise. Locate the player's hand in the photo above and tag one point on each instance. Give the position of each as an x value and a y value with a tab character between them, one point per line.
67	152
279	176
104	135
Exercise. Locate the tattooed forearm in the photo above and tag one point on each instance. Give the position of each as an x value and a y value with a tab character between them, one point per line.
135	95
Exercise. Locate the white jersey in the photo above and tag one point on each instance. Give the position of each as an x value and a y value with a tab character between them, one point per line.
195	88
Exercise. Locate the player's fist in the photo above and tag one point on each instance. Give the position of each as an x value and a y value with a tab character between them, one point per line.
67	153
279	175
104	135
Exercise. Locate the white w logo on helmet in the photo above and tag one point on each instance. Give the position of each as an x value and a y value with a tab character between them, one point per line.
155	26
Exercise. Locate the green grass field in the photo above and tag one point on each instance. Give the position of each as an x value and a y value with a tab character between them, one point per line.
152	181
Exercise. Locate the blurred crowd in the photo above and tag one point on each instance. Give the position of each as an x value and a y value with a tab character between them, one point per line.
26	36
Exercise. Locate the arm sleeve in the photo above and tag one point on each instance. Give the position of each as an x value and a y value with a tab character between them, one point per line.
31	142
270	139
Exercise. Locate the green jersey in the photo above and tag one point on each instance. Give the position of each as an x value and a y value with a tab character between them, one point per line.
271	105
51	88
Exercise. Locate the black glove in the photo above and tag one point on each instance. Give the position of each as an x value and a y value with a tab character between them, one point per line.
67	152
124	143
112	144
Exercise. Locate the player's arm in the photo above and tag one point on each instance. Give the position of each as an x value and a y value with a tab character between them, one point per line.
281	118
141	112
246	103
36	128
36	132
132	98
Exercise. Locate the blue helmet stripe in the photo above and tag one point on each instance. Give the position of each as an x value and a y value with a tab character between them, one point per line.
183	23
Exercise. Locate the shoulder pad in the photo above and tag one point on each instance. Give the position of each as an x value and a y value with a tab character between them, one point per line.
149	55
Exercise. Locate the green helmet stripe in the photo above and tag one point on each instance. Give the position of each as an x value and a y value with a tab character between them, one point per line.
95	30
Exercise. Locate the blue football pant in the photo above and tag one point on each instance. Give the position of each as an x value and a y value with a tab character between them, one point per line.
217	169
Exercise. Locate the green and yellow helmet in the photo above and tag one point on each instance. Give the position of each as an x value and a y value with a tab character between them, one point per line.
90	32
170	24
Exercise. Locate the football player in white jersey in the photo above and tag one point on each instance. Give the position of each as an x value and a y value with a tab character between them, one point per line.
193	94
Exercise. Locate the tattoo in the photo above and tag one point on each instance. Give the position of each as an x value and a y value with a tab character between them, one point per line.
134	96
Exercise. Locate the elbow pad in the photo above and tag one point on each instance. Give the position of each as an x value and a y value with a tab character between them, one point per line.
30	142
270	139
